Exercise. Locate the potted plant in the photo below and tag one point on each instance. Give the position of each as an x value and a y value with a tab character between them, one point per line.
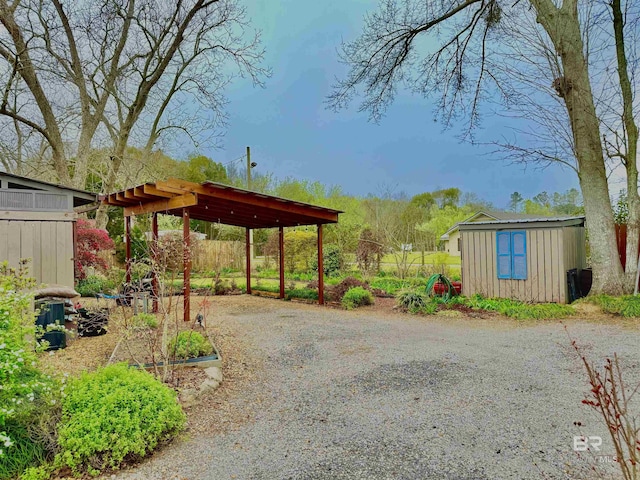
55	335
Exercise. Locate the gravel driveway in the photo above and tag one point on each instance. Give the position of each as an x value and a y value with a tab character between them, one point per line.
376	396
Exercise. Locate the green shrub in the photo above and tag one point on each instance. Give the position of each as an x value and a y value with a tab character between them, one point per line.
114	413
144	320
338	291
93	285
190	344
356	297
412	301
25	392
332	259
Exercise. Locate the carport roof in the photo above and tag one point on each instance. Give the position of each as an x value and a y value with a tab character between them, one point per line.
216	202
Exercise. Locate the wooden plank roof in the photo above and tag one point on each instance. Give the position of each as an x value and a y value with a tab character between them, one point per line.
215	202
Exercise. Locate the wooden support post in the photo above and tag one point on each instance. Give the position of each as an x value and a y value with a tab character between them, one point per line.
281	259
320	268
154	253
186	277
127	233
248	252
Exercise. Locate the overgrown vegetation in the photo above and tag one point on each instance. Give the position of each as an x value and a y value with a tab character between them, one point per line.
93	285
412	301
25	392
356	297
418	302
190	344
625	306
113	414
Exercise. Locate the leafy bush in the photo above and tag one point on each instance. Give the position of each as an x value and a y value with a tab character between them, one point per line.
412	301
25	392
190	344
144	320
92	285
332	260
338	291
114	413
90	241
356	297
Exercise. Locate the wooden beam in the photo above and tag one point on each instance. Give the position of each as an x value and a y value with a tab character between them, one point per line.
139	192
248	255
320	268
169	188
130	195
281	259
153	191
111	200
251	199
154	255
182	201
186	276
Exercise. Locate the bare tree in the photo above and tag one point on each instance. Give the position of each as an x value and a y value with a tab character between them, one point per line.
110	73
484	51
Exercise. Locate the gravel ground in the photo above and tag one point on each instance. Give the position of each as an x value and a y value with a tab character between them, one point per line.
368	395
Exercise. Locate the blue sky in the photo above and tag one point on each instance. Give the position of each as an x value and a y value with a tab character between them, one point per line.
291	133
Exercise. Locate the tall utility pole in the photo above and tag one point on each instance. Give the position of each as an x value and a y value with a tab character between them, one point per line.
248	168
249	188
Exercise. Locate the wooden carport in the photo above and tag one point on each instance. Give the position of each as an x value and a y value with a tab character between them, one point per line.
215	202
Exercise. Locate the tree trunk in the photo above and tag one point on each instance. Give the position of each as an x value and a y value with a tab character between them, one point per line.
563	27
629	156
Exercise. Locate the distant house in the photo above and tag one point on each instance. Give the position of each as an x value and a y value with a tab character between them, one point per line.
451	238
37	221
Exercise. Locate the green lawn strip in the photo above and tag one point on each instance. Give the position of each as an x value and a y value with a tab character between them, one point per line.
625	305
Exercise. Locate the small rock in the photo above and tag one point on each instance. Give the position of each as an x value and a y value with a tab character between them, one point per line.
209	384
215	373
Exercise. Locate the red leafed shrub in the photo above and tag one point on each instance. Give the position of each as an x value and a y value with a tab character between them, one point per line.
89	241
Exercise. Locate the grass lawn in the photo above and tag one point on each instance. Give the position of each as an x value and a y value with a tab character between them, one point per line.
241	283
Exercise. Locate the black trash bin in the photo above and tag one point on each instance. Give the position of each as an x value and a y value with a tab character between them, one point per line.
573	285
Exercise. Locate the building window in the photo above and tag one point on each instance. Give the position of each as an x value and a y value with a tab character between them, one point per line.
459	244
511	250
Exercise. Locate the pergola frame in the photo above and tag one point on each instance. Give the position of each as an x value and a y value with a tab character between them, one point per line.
218	203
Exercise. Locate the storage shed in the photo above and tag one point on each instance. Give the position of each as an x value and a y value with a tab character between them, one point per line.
37	222
524	259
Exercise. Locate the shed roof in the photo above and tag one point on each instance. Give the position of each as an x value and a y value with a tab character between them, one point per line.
80	197
539	222
497	215
216	202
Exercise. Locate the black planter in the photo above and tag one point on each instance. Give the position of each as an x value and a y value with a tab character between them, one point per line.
50	314
56	339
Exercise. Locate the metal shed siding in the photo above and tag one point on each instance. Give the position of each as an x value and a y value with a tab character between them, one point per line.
546	258
49	245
